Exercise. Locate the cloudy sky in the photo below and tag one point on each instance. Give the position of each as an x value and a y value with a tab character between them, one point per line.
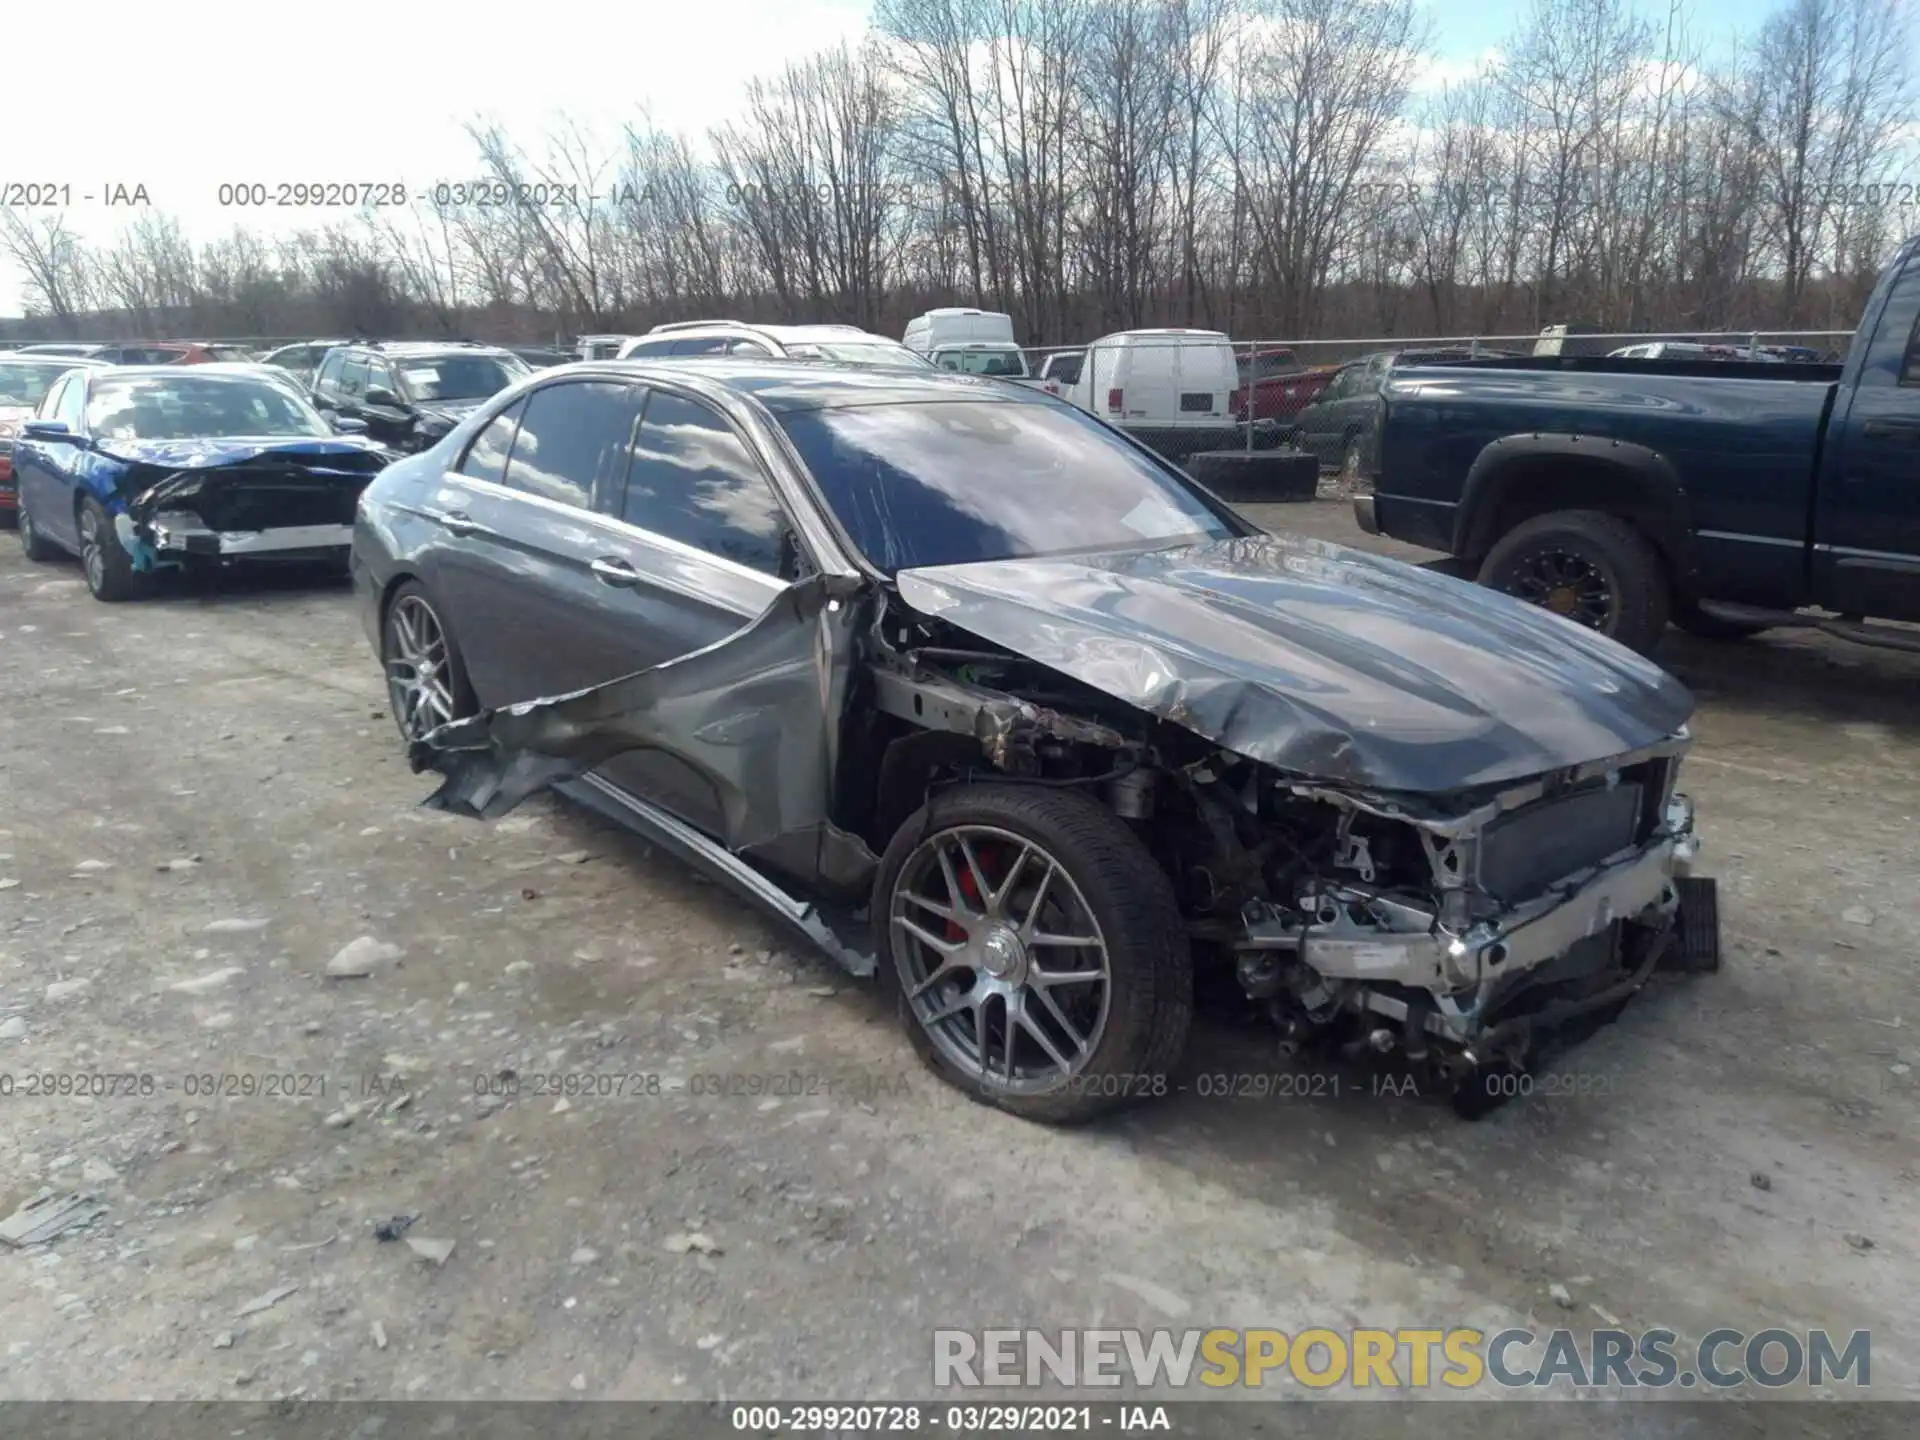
184	96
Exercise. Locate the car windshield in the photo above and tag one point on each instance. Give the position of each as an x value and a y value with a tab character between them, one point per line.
460	377
860	352
25	382
946	483
198	408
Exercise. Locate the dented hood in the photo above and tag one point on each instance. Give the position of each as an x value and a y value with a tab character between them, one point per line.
1321	660
209	454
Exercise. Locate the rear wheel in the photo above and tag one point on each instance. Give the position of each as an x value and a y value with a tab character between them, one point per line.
105	561
1350	461
426	680
1590	567
1034	951
33	544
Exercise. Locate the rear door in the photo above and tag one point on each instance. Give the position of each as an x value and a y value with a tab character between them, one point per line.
531	612
43	469
1866	557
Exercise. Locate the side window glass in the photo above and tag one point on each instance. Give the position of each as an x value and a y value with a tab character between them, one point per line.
694	480
353	377
73	403
329	376
1910	368
650	347
486	457
701	345
50	402
574	440
749	347
380	375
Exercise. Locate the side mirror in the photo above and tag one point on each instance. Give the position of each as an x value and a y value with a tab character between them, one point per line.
348	424
47	430
384	398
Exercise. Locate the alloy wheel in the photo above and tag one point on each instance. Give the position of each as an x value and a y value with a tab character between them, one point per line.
1565	583
419	681
1001	960
93	557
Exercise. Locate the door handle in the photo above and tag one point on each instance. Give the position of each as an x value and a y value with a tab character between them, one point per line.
1907	432
609	570
458	522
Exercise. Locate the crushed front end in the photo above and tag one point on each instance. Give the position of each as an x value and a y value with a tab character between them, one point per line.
1458	931
273	504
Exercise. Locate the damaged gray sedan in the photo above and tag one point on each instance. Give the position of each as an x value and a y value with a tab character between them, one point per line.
991	702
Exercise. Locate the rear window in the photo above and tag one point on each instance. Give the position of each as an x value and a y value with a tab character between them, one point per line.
1004	363
26	382
857	352
947	483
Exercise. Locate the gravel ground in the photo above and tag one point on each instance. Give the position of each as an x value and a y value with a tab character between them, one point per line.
202	802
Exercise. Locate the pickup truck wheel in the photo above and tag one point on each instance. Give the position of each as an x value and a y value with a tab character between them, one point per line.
1034	951
1591	567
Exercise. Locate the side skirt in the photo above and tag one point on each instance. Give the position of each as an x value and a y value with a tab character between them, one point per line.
677	837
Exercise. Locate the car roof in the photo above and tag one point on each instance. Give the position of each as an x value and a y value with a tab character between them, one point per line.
416	348
66	362
214	370
783	387
794	333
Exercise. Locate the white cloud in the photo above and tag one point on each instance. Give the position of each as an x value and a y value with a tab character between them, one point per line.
1439	72
183	96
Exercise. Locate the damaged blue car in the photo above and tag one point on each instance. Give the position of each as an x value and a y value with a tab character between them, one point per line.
140	470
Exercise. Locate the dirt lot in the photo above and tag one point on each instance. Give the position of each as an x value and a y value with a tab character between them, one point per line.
1746	1155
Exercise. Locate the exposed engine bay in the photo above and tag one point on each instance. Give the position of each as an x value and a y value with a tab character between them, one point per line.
1451	930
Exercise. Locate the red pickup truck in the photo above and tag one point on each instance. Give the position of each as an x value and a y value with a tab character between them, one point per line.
1281	385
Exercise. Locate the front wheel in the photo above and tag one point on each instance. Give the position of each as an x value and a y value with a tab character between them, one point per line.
105	561
1034	951
1589	567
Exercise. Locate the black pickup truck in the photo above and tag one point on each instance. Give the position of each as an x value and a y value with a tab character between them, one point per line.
1729	498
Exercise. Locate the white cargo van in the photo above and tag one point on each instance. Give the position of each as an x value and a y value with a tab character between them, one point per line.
1159	379
975	342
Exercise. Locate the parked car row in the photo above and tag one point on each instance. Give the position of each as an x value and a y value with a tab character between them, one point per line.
844	635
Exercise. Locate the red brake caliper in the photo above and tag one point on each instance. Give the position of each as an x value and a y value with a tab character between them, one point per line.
970	891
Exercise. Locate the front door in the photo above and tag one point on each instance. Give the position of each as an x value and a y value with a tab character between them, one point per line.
1867	543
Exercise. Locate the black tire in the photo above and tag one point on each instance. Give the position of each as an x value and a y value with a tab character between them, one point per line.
104	560
1149	989
1352	457
460	696
35	546
1621	589
1712	627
